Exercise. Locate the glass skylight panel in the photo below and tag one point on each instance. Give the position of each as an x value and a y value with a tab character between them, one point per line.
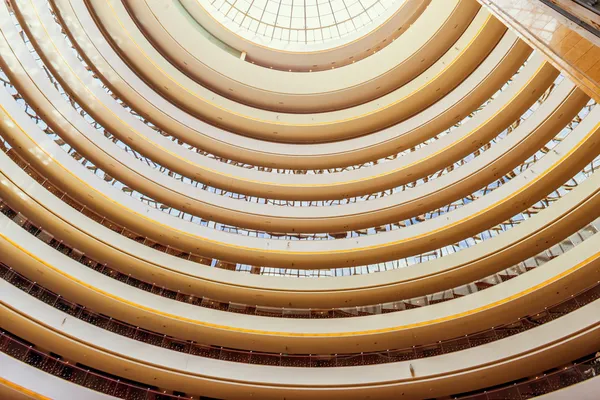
300	21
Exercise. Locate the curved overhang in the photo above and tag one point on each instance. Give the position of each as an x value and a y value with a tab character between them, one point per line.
306	55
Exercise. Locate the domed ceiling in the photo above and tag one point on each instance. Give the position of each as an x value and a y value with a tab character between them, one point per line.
298	25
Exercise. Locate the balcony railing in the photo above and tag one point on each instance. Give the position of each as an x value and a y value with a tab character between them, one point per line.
299	360
98	77
543	383
78	375
586	172
306	313
95	380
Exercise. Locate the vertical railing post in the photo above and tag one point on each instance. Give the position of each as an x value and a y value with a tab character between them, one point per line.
30	287
25	356
85	377
127	392
519	391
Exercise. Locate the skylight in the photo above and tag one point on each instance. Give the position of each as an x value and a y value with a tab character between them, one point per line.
298	25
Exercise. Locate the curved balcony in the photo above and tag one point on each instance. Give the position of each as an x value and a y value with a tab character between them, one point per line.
439	24
477	41
289	312
168	209
355	47
162	194
133	91
166	153
522	324
384	237
548	352
493	306
408	279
